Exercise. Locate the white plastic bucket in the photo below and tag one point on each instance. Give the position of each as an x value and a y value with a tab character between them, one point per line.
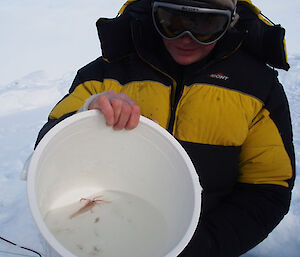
147	186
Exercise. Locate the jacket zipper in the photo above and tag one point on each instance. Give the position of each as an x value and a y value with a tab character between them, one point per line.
173	101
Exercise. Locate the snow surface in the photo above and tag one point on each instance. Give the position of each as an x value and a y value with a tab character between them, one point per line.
26	102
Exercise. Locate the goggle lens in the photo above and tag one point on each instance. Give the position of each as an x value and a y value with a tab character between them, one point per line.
205	25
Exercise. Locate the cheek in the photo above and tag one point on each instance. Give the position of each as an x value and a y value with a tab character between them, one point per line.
168	44
171	46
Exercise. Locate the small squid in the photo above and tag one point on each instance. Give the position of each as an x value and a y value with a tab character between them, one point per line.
88	206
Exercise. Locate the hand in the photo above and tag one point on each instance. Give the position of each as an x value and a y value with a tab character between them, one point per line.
119	110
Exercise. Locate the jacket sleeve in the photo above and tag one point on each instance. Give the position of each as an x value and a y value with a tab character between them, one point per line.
261	197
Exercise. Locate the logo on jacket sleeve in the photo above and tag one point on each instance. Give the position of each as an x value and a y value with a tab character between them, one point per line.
219	75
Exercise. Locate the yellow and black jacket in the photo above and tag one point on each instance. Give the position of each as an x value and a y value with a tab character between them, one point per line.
229	112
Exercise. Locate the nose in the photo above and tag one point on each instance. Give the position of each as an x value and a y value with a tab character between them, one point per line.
186	39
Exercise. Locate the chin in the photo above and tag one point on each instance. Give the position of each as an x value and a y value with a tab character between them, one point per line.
184	61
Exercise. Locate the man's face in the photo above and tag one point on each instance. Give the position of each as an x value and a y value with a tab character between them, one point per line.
185	50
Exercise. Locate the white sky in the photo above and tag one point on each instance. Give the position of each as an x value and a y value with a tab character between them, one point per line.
59	36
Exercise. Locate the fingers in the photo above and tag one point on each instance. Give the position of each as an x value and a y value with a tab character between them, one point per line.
122	113
119	110
102	103
129	114
134	117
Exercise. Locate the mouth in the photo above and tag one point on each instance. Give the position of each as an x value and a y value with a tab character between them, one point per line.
185	50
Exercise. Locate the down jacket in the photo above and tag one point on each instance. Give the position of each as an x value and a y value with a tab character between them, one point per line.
228	111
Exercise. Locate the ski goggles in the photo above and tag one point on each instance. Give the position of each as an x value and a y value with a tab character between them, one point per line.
204	25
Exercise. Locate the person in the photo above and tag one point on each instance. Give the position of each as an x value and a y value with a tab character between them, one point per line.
184	64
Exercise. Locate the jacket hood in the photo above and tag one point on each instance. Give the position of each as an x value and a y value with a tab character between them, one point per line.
133	31
261	39
228	4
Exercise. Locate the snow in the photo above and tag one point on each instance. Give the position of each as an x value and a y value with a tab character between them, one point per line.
27	100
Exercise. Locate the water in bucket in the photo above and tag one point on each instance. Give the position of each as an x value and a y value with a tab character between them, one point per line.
118	224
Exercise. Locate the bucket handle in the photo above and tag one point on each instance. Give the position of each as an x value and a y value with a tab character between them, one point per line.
25	168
